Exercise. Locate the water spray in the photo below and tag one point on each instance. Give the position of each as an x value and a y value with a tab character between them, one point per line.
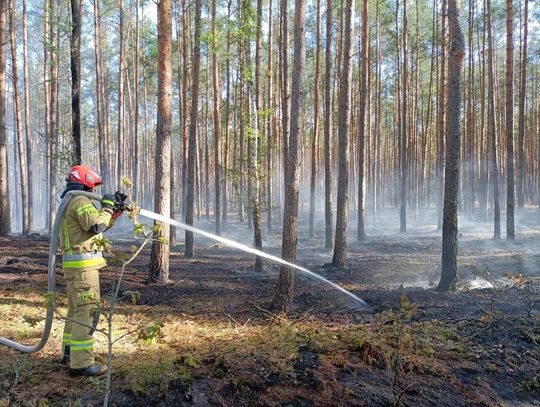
53	248
248	249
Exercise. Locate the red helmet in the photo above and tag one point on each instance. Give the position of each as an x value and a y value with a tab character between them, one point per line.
81	174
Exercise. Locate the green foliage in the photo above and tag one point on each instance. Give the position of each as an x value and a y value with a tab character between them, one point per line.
183	375
231	173
235	382
49	299
134	296
219	368
189	360
127	182
103	245
139	229
251	134
119	257
163	240
144	375
408	309
530	385
150	333
98	384
31	320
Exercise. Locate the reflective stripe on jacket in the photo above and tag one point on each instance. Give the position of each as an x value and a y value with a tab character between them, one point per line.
76	238
84	260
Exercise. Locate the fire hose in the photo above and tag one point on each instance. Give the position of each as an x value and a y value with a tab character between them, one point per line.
160	218
51	284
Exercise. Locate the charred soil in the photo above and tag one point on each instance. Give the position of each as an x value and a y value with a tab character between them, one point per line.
208	337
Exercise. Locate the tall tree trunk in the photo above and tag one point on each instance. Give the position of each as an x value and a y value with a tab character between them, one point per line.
190	197
328	88
46	105
441	119
271	121
136	169
364	97
227	118
217	122
315	127
484	142
103	153
28	131
206	151
159	260
469	178
284	290
510	192
5	218
53	140
241	127
521	119
254	180
340	247
492	129
75	52
18	119
255	140
403	144
453	148
120	159
285	85
185	128
377	196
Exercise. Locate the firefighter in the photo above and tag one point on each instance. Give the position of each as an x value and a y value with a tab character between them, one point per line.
82	227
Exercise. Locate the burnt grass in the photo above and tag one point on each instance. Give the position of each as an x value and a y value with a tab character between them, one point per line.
411	346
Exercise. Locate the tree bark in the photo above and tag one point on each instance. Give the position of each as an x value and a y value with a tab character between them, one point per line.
492	129
5	218
521	119
403	143
190	196
284	290
285	86
227	118
53	140
255	140
217	123
361	233
340	246
510	191
28	131
453	148
441	119
159	260
136	170
18	120
185	128
315	137
75	52
271	121
328	176
120	149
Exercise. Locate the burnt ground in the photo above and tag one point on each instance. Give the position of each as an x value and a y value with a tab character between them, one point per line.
209	338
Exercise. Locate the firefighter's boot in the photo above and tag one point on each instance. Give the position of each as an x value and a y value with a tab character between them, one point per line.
93	370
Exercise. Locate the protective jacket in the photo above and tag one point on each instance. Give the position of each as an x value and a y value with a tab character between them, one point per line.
81	228
82	258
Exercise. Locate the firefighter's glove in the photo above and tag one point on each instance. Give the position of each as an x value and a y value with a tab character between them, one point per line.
108	203
121	201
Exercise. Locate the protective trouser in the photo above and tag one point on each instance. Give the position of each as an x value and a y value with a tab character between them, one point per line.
83	304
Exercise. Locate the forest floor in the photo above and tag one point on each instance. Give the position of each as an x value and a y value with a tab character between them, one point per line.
208	338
